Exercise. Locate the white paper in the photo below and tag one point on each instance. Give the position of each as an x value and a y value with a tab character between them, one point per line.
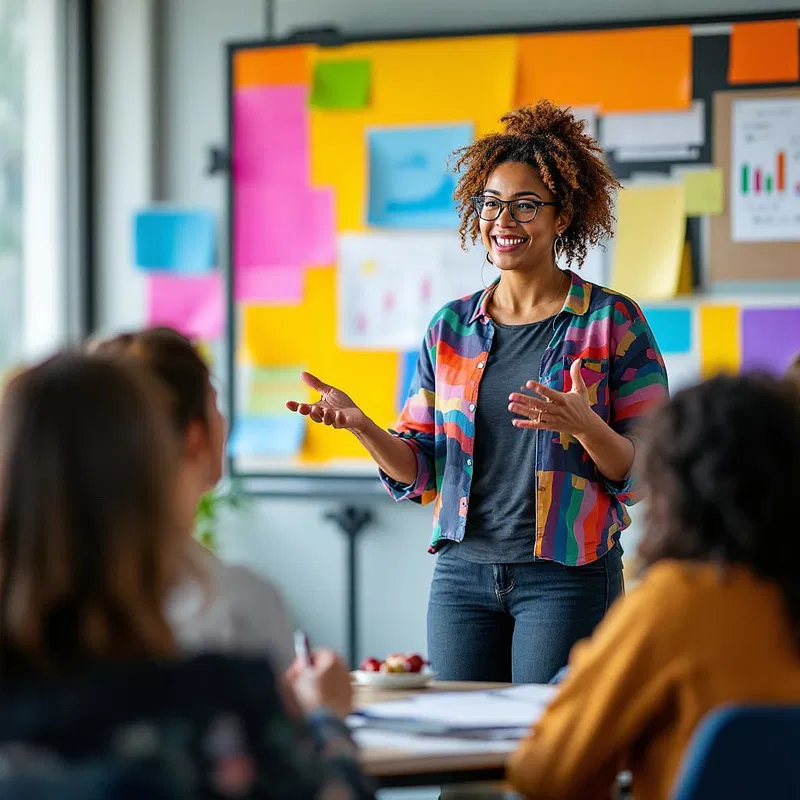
652	130
764	178
432	746
391	284
466	709
657	153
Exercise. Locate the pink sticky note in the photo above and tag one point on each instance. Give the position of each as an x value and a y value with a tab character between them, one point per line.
193	305
270	135
279	286
275	225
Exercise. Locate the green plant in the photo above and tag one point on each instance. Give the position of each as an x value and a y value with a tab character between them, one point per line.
226	496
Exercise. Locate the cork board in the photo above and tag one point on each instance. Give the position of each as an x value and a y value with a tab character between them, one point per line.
744	261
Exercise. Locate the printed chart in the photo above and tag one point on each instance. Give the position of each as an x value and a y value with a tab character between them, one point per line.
765	171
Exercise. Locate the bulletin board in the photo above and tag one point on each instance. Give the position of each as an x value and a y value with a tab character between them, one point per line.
330	139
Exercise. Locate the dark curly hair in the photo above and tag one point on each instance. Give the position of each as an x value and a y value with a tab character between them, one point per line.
569	162
721	464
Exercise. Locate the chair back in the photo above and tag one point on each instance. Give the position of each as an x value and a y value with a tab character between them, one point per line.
743	752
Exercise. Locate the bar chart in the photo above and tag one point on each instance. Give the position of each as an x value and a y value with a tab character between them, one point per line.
765	170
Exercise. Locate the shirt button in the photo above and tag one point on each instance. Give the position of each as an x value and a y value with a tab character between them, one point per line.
472	406
469	462
481	365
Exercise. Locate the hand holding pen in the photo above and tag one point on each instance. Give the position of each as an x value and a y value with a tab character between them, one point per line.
320	680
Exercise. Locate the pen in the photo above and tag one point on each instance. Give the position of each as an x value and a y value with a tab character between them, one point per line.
302	648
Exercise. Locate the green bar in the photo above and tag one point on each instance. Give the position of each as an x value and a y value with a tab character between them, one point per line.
769	184
745	178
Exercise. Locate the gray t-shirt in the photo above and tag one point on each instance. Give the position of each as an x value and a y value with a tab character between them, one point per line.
501	521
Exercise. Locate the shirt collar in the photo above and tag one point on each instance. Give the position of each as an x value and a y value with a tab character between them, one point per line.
576	302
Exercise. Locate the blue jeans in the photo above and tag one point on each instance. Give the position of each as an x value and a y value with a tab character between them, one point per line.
515	622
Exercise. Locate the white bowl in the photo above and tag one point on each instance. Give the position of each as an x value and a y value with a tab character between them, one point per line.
394	680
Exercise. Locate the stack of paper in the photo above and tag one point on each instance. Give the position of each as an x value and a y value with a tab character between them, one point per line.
504	714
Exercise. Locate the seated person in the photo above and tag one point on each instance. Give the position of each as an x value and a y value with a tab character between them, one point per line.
91	546
716	617
793	373
218	606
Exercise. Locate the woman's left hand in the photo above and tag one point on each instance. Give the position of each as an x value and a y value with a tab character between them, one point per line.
566	412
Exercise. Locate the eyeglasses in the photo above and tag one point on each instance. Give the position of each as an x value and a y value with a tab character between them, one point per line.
490	208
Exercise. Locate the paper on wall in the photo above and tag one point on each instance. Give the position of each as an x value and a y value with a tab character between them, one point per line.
764	178
665	129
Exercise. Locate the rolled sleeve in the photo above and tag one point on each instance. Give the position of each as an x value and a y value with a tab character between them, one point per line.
638	386
423	489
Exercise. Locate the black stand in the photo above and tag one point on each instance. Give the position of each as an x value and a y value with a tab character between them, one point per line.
351	520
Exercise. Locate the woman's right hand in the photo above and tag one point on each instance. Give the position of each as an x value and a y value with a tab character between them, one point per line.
334	407
324	683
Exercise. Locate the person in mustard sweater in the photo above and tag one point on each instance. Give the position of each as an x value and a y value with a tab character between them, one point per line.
716	617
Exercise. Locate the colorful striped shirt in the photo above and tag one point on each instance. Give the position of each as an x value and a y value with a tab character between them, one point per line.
579	513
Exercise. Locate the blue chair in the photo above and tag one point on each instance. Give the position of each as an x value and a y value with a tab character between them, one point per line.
742	752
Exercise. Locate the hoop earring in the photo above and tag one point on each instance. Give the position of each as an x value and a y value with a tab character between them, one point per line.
558	248
483	266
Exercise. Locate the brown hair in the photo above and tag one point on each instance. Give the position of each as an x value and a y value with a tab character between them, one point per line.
175	361
721	464
568	160
88	545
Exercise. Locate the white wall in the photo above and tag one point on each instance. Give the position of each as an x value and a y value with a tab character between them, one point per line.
289	541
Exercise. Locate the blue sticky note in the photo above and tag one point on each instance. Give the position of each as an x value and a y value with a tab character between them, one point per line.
408	368
672	328
175	240
276	435
409	182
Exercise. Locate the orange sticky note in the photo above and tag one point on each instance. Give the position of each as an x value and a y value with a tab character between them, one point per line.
642	69
764	52
272	66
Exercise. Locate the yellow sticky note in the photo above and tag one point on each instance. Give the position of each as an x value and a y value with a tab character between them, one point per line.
720	340
413	82
704	192
686	279
649	241
306	334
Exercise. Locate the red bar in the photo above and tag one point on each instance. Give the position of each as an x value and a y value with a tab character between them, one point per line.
758	181
781	171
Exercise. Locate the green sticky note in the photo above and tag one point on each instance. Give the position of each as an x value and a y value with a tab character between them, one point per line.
704	192
341	84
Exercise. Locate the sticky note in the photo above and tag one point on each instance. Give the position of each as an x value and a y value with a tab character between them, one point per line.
341	84
413	82
306	334
410	185
265	390
770	338
595	69
193	305
720	340
269	285
272	66
649	241
277	225
672	328
764	52
704	192
274	435
408	368
175	240
270	135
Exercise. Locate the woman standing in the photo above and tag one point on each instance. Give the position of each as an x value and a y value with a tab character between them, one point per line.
520	419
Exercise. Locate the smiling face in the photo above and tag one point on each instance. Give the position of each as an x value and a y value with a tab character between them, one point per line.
514	245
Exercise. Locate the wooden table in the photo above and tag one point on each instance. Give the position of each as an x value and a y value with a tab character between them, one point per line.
394	768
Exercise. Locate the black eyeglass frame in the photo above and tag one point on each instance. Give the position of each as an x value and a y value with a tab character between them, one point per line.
479	199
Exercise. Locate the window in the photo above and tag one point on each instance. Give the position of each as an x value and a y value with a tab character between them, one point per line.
12	91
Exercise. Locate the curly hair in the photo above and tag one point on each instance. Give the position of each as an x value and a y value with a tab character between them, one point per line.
569	162
793	373
721	462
